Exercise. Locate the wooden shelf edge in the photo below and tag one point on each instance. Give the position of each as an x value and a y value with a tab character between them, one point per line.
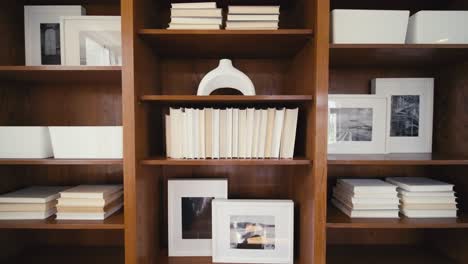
398	46
224	162
395	159
149	31
61	161
227	98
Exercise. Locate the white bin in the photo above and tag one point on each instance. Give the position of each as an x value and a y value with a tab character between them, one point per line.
87	142
427	27
25	142
368	26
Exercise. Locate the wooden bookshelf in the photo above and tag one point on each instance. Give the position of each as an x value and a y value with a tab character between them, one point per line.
225	162
396	159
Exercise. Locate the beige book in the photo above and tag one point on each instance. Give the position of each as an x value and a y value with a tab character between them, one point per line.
89	209
242	149
223	133
256	133
168	136
89	202
262	133
27	207
428	206
206	12
208	132
201	134
250	9
88	216
27	215
33	194
288	138
269	131
91	191
249	136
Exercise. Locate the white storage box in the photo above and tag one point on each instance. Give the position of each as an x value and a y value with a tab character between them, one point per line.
25	142
87	142
426	27
368	26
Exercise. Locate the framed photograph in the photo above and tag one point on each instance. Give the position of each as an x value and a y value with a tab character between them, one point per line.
410	112
91	40
357	124
253	231
42	33
189	215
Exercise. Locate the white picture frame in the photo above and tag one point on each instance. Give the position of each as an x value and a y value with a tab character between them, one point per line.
91	40
409	130
357	124
42	39
183	192
269	223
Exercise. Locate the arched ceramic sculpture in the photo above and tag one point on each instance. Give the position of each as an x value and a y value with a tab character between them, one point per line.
226	76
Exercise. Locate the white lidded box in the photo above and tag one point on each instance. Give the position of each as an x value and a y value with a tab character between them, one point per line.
426	27
368	26
87	142
25	142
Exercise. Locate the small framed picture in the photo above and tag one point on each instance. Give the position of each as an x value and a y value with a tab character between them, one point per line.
410	111
42	33
189	215
356	124
253	231
91	40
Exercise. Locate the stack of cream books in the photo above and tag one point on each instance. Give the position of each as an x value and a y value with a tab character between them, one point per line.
203	15
89	202
231	133
253	17
425	198
35	202
366	198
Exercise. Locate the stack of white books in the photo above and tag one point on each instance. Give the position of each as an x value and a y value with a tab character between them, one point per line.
253	17
203	15
231	133
35	202
89	202
366	198
425	198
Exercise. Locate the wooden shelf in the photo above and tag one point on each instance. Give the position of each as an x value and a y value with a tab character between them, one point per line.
337	219
224	162
395	159
227	99
61	161
421	55
385	254
115	221
227	43
61	74
71	255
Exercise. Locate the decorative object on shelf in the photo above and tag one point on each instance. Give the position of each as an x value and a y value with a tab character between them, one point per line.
231	133
356	124
91	40
253	231
190	215
226	76
410	103
199	15
42	32
87	142
253	17
437	27
24	142
369	26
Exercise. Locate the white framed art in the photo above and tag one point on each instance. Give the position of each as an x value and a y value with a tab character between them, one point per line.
357	124
42	33
409	113
253	231
91	40
190	215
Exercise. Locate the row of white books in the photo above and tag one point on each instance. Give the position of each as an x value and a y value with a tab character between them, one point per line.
231	133
83	202
414	197
253	17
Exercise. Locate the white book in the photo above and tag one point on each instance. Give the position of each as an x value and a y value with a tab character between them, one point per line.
420	184
430	213
183	133
345	192
232	17
215	134
27	215
366	213
201	134
88	216
194	135
242	134
229	117
168	136
256	133
247	24
233	9
198	5
288	138
193	26
367	185
369	206
33	194
250	126
27	207
426	194
222	133
89	202
188	120
277	132
250	28
415	206
262	133
91	191
269	131
197	20
203	12
352	200
208	132
176	140
235	133
428	200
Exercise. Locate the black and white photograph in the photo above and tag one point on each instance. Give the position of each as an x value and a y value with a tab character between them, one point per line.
353	124
196	217
252	232
404	116
50	43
